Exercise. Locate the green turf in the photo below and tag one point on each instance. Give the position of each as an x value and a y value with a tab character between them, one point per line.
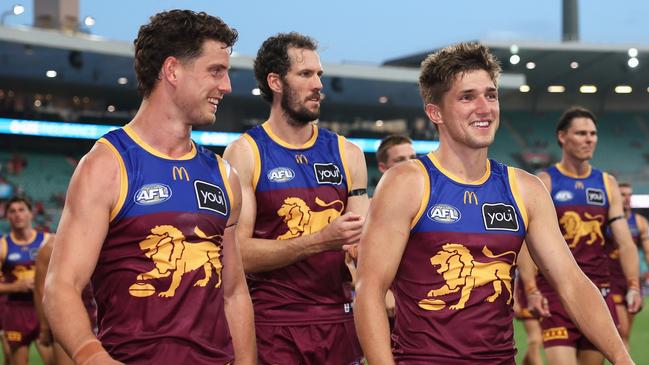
639	340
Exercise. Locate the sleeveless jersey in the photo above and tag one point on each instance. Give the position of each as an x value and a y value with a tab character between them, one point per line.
19	262
157	282
299	191
615	267
582	204
454	287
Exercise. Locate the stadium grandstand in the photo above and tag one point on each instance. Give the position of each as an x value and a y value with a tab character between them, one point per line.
60	90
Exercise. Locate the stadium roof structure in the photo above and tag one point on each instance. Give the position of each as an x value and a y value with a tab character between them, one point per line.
27	54
588	74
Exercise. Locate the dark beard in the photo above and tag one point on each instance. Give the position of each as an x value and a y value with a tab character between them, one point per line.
296	116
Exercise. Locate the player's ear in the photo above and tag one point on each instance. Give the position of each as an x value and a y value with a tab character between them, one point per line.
434	113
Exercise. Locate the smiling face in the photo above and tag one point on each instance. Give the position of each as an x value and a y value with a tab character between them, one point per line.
301	86
469	111
580	139
202	83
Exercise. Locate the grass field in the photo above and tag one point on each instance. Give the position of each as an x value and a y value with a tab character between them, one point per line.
639	340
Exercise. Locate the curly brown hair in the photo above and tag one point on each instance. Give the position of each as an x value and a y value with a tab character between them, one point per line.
272	57
439	69
177	33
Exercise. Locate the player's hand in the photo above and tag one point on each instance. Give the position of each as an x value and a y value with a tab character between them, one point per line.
23	285
344	230
538	304
390	305
634	300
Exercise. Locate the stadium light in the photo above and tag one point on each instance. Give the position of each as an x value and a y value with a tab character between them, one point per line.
574	65
514	59
623	89
530	65
526	88
633	52
383	99
17	9
256	91
556	88
51	74
513	49
588	89
89	21
633	62
122	81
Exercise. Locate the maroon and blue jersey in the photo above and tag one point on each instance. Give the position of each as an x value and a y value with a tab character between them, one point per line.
618	279
582	204
454	288
158	283
19	262
300	190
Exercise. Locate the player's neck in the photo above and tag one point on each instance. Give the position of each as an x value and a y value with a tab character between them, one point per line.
466	163
576	167
23	234
291	133
162	129
627	213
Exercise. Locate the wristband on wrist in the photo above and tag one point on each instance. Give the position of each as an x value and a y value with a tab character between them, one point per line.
532	289
86	351
633	284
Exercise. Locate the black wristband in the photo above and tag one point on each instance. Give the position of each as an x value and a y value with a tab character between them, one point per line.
358	192
611	220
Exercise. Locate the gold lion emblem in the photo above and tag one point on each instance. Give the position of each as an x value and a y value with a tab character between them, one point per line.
172	255
300	219
575	228
462	273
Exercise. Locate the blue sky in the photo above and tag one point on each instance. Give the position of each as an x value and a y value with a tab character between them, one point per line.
369	32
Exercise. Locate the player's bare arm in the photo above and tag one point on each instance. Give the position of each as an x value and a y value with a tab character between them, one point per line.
628	251
238	306
261	255
552	256
395	204
92	194
42	261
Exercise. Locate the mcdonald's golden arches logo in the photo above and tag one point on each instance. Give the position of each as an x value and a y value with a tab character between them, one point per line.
301	159
470	197
180	173
579	185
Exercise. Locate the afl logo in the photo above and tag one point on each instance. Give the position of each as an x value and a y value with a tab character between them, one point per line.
563	196
13	256
152	194
281	174
444	213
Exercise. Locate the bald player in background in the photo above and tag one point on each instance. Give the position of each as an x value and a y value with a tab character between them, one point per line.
638	226
586	200
304	198
150	218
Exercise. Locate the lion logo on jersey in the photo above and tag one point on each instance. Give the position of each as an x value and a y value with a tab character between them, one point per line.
300	219
575	228
462	273
22	272
174	256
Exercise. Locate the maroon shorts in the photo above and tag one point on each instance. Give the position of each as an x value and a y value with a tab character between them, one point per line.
559	330
3	310
331	343
618	289
20	324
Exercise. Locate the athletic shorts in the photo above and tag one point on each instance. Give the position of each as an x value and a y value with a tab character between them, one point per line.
3	310
20	324
619	288
559	330
331	343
